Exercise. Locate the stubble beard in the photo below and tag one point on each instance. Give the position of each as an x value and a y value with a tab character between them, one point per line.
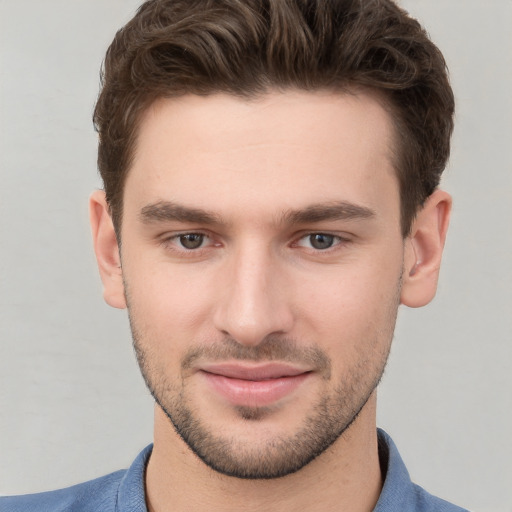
279	456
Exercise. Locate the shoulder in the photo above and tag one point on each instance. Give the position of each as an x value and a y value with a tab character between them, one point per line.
98	494
122	490
425	502
399	492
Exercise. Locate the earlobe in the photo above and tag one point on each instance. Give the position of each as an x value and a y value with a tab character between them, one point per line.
424	249
107	250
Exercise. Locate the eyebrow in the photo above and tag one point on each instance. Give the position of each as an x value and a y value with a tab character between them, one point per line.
168	211
163	211
339	210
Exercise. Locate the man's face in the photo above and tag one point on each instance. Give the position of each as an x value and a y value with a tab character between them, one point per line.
262	262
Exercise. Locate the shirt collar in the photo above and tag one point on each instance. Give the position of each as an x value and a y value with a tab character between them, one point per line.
131	496
396	494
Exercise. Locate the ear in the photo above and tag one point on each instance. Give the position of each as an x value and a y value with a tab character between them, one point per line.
423	250
107	250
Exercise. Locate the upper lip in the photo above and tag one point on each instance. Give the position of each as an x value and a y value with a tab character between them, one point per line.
247	371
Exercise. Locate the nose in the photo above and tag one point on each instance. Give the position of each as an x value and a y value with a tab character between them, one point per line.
254	299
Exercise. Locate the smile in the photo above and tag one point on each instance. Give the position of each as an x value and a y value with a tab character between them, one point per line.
254	386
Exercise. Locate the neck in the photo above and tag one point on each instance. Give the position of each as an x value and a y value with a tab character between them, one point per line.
345	477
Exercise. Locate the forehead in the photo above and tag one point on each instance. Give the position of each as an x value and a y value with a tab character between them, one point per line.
275	151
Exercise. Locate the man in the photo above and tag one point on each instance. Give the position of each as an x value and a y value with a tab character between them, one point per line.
270	198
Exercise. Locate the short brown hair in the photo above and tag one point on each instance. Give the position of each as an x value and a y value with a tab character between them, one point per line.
246	47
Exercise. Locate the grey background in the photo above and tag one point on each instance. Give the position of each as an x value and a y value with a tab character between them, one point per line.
72	404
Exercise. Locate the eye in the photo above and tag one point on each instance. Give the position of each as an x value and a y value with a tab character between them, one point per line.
191	241
319	241
195	244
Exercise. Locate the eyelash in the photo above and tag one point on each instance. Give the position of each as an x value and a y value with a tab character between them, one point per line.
336	241
171	243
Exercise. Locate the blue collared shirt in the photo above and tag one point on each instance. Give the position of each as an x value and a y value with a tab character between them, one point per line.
123	491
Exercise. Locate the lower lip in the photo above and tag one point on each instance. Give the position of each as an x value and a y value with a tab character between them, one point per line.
254	393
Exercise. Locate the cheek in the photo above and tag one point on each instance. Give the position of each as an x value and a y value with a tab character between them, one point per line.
357	308
165	304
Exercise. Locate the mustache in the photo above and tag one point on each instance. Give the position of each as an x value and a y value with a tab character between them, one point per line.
272	348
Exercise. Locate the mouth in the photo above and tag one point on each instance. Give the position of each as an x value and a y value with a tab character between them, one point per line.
254	385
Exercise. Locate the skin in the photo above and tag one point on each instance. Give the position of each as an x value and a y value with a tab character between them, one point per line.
267	174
